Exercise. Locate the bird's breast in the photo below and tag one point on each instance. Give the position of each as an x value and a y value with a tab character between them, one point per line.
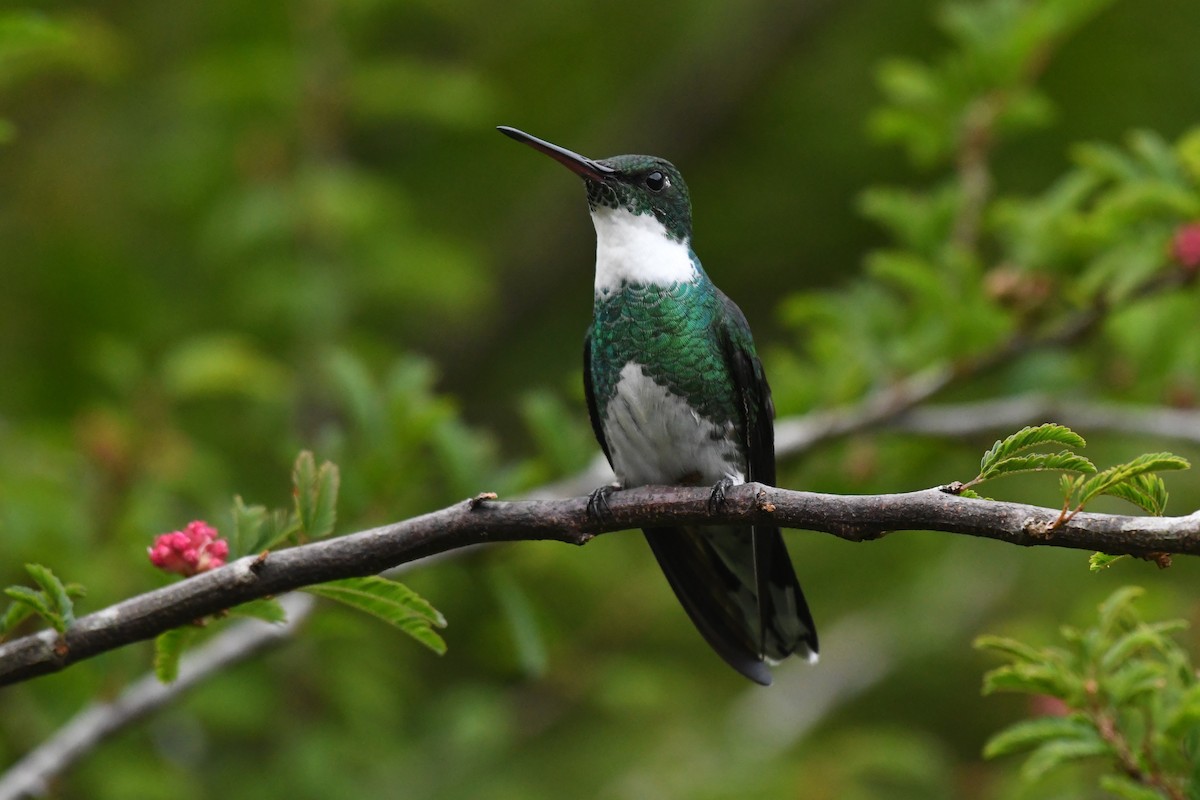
656	436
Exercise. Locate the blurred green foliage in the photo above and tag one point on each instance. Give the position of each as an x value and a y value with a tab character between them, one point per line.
1121	692
230	233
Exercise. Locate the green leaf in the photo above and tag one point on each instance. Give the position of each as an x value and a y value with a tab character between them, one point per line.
1128	789
1147	491
266	609
1019	651
1131	682
1058	752
37	603
1122	473
1118	606
168	649
1027	437
391	601
256	529
1142	637
316	492
14	615
55	591
1069	484
1064	460
1030	733
1039	678
1101	561
1184	714
247	524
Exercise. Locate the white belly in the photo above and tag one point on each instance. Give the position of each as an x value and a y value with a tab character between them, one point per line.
654	437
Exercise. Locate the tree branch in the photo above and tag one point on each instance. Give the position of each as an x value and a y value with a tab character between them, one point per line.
31	776
855	518
1009	413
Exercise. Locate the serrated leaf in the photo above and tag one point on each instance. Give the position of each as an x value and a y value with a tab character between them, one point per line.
247	523
168	649
1064	460
1055	753
1037	678
1148	462
256	529
391	601
55	592
37	603
1146	491
265	609
316	495
304	475
1029	733
1101	561
1027	437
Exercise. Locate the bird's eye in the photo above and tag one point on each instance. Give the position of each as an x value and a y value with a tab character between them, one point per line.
655	181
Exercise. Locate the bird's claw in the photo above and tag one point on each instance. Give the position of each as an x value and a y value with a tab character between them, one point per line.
597	506
716	500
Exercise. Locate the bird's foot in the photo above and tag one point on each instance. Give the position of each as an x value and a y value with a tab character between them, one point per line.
597	505
716	500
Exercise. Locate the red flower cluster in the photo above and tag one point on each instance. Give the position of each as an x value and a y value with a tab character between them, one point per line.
193	550
1185	247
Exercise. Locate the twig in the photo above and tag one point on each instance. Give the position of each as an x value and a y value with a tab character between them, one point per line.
240	642
856	518
31	775
801	433
1007	413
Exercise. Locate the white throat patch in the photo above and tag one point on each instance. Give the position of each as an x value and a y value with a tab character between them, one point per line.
636	249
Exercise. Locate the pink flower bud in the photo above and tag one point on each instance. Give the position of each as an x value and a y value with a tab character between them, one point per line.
193	550
1185	247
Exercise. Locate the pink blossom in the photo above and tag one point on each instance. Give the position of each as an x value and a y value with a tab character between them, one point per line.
1043	705
1185	247
193	550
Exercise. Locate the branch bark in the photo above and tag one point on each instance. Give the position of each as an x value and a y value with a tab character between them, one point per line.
855	518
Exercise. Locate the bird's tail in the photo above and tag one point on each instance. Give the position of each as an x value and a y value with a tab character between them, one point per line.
738	586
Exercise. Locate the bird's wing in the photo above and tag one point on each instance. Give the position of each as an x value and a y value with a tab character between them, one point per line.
589	391
785	623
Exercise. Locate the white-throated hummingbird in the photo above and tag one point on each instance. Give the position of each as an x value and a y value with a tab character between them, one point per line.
677	396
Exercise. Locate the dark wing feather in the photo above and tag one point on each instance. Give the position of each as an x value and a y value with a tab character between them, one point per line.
589	391
713	596
785	623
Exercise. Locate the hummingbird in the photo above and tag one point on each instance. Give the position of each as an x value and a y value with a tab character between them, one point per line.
677	396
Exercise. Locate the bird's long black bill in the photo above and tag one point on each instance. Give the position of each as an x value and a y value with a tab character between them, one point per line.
580	165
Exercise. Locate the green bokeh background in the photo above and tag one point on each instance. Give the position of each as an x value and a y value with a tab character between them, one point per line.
214	218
